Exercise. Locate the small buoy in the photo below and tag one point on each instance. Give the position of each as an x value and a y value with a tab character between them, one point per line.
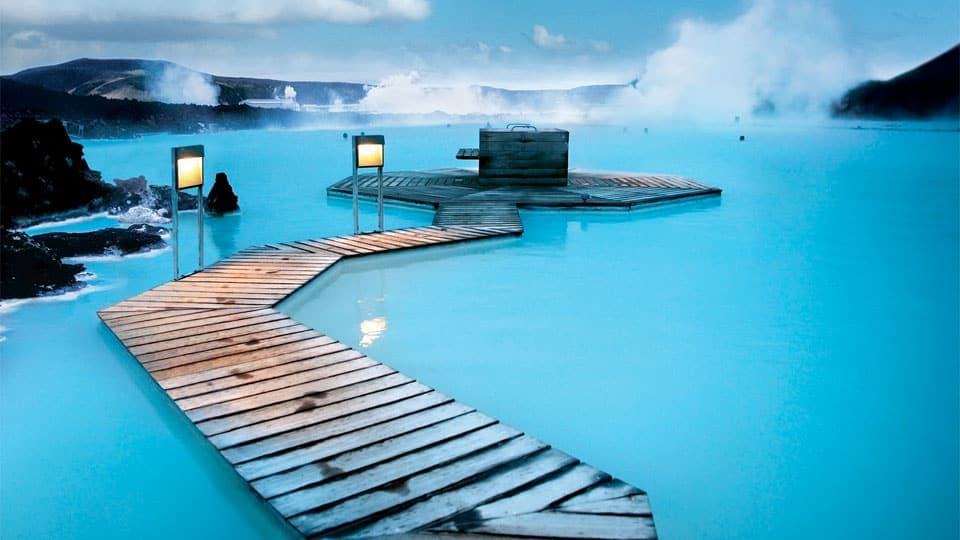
344	135
645	130
741	137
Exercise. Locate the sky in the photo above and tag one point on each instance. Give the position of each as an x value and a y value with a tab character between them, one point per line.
681	55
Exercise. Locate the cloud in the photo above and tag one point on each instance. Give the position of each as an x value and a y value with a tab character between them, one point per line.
789	54
545	40
254	12
29	39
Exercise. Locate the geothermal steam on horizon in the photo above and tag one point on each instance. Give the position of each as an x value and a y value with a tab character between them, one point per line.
776	56
178	84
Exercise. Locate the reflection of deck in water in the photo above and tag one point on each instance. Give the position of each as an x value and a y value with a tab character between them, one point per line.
460	188
339	444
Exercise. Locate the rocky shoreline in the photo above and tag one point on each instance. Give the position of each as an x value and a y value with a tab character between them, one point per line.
45	178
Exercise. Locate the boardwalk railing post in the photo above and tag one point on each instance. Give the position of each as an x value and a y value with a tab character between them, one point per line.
187	173
380	198
175	219
356	202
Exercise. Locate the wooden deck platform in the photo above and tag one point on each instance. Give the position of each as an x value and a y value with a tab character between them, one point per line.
586	189
339	444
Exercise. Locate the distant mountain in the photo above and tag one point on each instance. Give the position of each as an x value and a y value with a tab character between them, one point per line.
928	91
158	80
96	116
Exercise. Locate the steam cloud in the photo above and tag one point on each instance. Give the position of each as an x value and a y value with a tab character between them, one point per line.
177	84
403	93
783	56
776	56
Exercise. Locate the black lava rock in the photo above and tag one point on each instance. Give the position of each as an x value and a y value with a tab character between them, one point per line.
44	173
185	201
103	242
221	198
928	91
147	228
28	268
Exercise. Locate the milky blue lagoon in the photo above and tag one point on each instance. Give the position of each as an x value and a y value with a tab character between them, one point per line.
779	362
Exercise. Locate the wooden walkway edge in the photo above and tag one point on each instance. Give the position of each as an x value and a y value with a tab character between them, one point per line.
339	444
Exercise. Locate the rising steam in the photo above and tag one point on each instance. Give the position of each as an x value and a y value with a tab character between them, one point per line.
776	57
177	84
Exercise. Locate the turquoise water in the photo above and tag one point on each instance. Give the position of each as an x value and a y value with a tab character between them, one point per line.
780	362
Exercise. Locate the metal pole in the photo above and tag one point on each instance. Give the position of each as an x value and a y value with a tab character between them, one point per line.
200	220
356	202
380	197
175	220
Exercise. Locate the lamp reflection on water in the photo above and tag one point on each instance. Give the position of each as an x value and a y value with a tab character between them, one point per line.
372	330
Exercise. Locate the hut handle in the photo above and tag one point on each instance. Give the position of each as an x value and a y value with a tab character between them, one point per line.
512	127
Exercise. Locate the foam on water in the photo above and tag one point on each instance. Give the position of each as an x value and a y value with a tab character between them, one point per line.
142	214
62	224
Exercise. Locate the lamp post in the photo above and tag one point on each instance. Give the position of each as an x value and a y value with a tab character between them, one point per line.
367	152
187	173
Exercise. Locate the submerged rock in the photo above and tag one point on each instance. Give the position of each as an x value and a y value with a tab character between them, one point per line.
112	241
28	268
221	198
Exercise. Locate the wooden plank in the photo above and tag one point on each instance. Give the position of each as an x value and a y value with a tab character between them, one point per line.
359	419
309	408
458	504
335	354
391	472
262	340
145	319
142	336
276	349
339	374
548	524
544	494
631	505
406	490
203	340
206	406
370	436
613	489
352	461
247	366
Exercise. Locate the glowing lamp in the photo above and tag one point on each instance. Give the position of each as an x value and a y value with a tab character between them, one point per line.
187	173
188	166
368	151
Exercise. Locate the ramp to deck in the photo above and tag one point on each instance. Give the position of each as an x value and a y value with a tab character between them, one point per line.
339	444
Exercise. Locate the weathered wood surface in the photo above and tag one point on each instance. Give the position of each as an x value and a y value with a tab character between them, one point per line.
339	444
520	157
584	189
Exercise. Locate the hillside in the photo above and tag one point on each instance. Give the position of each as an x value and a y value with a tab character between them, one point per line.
157	80
931	90
101	117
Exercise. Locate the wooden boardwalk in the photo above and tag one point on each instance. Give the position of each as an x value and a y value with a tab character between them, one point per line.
585	189
339	444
